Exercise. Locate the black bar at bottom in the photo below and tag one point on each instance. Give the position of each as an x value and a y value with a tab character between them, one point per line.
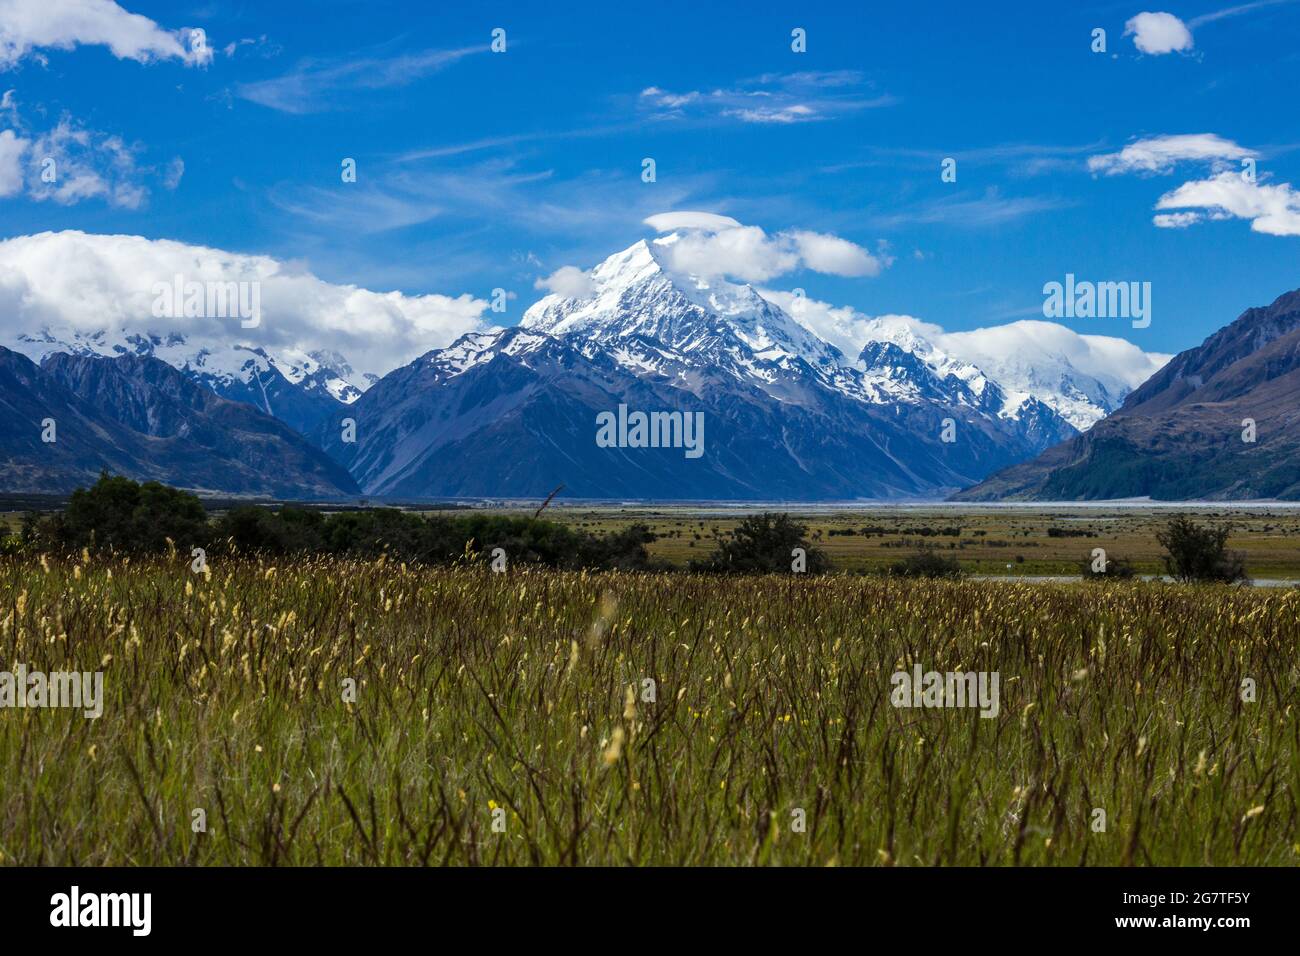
496	906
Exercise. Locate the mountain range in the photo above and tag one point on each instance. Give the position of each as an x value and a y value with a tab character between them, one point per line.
296	388
1220	422
513	412
76	415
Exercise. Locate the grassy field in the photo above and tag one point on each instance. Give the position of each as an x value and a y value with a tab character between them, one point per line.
506	719
1033	541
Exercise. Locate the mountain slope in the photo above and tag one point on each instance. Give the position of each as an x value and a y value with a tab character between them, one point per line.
1180	435
140	417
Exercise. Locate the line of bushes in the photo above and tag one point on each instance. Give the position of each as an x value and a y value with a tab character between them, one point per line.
125	517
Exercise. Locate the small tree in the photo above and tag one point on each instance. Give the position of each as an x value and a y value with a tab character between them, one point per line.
764	544
1199	552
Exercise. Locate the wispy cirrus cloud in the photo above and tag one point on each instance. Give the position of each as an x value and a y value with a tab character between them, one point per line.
974	211
312	86
27	27
1236	11
773	98
1017	159
501	192
507	141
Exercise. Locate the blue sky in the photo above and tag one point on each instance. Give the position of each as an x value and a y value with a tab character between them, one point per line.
478	170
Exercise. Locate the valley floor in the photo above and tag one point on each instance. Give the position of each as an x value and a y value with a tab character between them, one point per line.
1019	540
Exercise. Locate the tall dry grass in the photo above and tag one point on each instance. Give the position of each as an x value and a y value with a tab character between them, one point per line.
519	697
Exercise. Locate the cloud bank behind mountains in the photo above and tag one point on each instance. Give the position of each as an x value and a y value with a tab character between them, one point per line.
88	283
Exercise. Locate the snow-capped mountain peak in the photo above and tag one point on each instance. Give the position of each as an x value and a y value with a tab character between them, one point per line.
636	299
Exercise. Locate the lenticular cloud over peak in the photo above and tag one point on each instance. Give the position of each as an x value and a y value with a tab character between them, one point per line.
707	221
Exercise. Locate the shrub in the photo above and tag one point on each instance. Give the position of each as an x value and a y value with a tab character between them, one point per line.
926	563
622	550
1117	569
763	543
10	544
1199	552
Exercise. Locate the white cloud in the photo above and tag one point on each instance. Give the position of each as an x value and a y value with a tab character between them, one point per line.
795	113
746	253
87	165
1116	362
1271	209
72	163
822	252
1176	220
175	170
12	150
1158	33
1228	193
842	326
1159	154
668	100
27	26
91	283
709	245
567	281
